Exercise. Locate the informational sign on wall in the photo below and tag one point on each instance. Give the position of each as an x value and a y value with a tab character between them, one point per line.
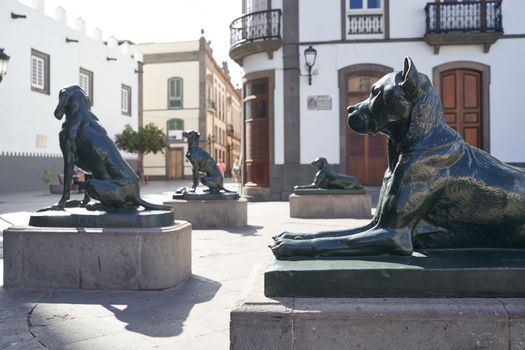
319	102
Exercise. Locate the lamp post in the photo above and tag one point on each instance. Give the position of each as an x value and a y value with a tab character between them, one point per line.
3	63
310	54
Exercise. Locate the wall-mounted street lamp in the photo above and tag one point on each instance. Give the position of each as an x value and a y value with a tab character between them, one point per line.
69	40
4	59
110	58
310	54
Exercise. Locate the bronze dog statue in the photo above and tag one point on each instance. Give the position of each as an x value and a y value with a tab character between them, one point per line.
204	167
327	179
438	191
85	143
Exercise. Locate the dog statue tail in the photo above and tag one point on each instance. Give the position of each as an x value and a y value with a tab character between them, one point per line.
227	191
151	206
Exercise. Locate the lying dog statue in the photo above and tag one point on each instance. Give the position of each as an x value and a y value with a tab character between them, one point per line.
204	167
438	191
85	143
327	179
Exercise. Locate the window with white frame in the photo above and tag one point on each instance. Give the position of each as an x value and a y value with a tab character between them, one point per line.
85	81
125	99
39	72
175	86
365	17
364	4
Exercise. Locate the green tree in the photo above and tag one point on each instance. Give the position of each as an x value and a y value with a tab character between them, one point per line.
148	139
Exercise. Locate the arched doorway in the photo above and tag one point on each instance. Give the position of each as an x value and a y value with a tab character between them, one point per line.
464	90
365	156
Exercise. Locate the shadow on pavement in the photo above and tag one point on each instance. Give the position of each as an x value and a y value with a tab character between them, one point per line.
250	230
150	313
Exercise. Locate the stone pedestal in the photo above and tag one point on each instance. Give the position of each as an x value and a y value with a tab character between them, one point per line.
97	258
211	214
259	322
255	193
328	205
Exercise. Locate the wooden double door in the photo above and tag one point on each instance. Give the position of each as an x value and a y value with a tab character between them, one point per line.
461	98
461	95
175	163
257	127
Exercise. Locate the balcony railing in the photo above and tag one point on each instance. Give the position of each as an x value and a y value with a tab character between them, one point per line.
466	16
365	24
255	26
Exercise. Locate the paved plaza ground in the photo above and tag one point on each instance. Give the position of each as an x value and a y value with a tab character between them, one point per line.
192	316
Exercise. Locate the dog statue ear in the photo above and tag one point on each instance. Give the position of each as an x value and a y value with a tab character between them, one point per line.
410	77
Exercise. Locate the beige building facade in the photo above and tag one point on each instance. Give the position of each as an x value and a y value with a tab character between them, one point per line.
185	89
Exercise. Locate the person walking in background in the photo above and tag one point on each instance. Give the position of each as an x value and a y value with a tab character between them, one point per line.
79	179
221	166
236	170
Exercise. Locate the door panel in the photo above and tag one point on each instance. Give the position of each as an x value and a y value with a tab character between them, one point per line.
175	163
448	95
461	98
256	124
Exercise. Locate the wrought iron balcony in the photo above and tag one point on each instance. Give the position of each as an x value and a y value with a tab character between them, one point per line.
467	22
255	32
365	24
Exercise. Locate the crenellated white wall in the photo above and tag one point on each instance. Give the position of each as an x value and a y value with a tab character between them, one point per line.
27	115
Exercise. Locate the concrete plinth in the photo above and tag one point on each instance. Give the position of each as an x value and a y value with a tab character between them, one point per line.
211	214
97	258
454	273
254	193
330	206
375	323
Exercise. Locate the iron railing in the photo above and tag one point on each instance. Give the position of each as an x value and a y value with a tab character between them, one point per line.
365	24
466	16
255	26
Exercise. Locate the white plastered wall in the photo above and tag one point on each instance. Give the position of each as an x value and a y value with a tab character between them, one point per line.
26	114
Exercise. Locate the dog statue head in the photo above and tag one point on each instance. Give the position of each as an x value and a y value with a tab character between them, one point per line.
390	101
319	163
71	99
192	136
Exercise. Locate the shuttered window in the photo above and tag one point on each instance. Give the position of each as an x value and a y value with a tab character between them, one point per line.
175	86
39	72
85	81
125	100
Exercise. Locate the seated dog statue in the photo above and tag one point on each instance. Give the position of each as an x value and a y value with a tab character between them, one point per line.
438	191
203	165
327	179
85	143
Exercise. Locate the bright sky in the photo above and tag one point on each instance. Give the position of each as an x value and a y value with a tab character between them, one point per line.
159	21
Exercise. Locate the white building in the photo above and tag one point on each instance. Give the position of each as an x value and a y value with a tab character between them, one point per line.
45	55
473	53
185	89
